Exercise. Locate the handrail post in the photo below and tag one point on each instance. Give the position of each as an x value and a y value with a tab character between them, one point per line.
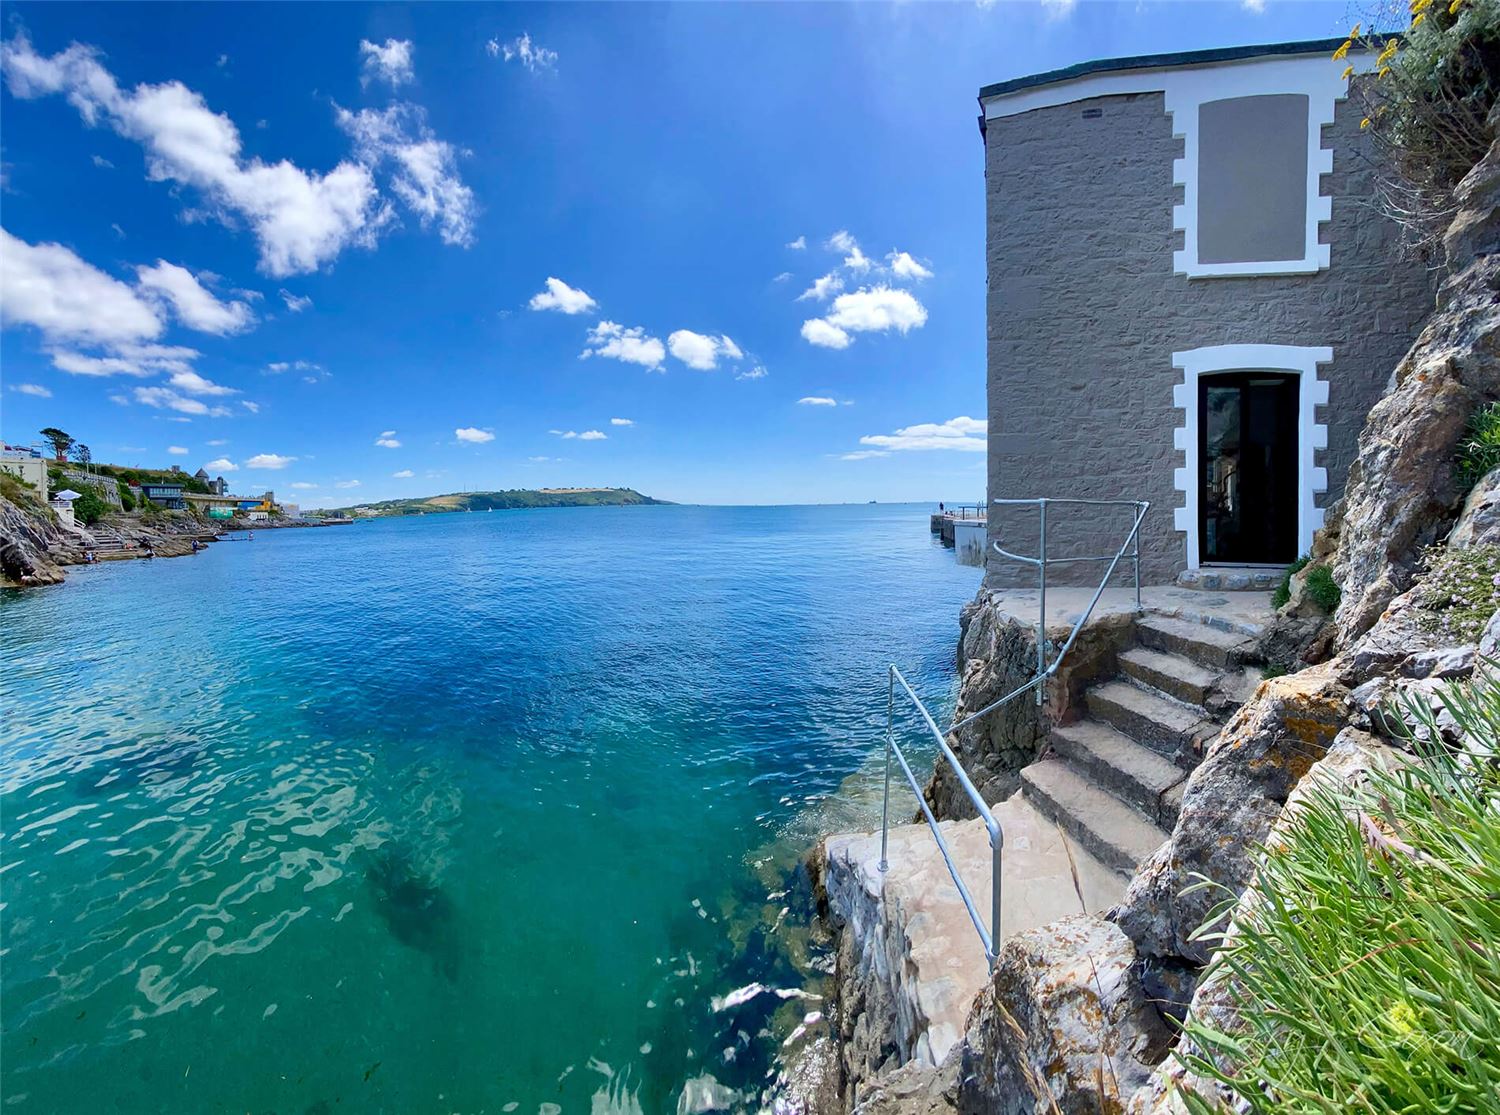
885	804
1135	558
997	845
1041	576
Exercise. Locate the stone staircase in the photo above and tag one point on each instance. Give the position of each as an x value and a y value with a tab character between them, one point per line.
1113	779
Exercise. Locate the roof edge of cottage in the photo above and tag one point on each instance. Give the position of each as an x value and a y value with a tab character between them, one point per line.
1160	62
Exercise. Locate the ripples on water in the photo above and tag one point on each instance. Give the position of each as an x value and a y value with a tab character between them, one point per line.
485	812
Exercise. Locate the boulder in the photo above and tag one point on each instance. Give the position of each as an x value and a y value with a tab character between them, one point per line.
1063	1026
1228	806
1479	521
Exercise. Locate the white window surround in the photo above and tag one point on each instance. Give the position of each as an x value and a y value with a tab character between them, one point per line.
1185	88
1312	435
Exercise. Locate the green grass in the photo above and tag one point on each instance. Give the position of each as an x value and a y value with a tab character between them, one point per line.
1321	588
1368	979
1480	450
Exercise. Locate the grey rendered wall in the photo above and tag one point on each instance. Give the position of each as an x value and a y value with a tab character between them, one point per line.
1084	312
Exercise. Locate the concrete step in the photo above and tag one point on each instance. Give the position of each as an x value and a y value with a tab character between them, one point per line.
1135	774
1173	674
1106	827
1160	724
1207	646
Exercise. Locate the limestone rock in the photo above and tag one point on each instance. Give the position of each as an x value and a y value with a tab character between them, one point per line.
1401	496
1475	231
1063	1025
27	535
912	1089
1228	806
1479	521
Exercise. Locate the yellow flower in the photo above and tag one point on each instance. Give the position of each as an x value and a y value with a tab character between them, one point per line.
1347	71
1365	123
1418	18
1343	50
1402	1018
1453	7
1418	6
1388	53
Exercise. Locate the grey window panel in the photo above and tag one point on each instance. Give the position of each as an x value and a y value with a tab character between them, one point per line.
1252	179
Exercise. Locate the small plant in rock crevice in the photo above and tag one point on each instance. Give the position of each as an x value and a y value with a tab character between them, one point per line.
1459	591
1479	452
1321	588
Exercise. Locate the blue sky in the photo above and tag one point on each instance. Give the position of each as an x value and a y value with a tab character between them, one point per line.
355	252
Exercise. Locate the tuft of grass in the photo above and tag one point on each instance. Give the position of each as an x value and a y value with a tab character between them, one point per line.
1367	978
1321	588
1479	452
1283	591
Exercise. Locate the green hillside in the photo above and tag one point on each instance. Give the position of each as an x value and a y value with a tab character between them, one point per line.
507	501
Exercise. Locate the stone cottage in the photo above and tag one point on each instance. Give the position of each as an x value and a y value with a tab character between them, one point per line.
1193	300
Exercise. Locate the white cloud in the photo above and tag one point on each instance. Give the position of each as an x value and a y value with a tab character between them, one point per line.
864	454
587	435
522	49
821	333
857	261
903	266
390	63
632	345
191	302
253	408
799	244
102	163
68	300
303	486
426	175
560	296
128	360
817	401
177	450
757	372
840	241
31	389
964	435
829	284
783	277
473	435
269	461
622	422
224	464
295	302
868	310
1256	6
1059	9
387	440
402	474
163	398
217	441
194	384
223	61
347	484
700	351
301	219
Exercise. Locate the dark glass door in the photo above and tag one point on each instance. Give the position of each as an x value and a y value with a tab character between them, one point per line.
1247	449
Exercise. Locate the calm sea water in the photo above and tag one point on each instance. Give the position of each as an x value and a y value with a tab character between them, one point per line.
456	813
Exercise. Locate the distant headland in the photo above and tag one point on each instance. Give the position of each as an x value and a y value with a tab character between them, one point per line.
509	500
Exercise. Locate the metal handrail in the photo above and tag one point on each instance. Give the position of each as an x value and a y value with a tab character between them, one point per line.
990	938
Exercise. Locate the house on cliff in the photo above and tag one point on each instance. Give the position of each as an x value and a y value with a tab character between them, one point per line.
1193	300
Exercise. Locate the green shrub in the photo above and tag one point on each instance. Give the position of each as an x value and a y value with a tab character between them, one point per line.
1459	591
1480	450
13	488
1321	588
127	498
90	507
1367	977
1283	591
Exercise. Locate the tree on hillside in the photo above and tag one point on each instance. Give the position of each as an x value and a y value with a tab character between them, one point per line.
61	442
81	453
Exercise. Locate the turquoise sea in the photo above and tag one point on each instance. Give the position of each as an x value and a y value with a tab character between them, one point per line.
461	813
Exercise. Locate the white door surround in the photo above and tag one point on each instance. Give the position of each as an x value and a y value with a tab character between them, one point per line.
1312	435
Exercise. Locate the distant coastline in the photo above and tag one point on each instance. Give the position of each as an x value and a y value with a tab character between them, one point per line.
507	500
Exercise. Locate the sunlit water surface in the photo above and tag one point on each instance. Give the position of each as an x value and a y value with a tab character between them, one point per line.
455	813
